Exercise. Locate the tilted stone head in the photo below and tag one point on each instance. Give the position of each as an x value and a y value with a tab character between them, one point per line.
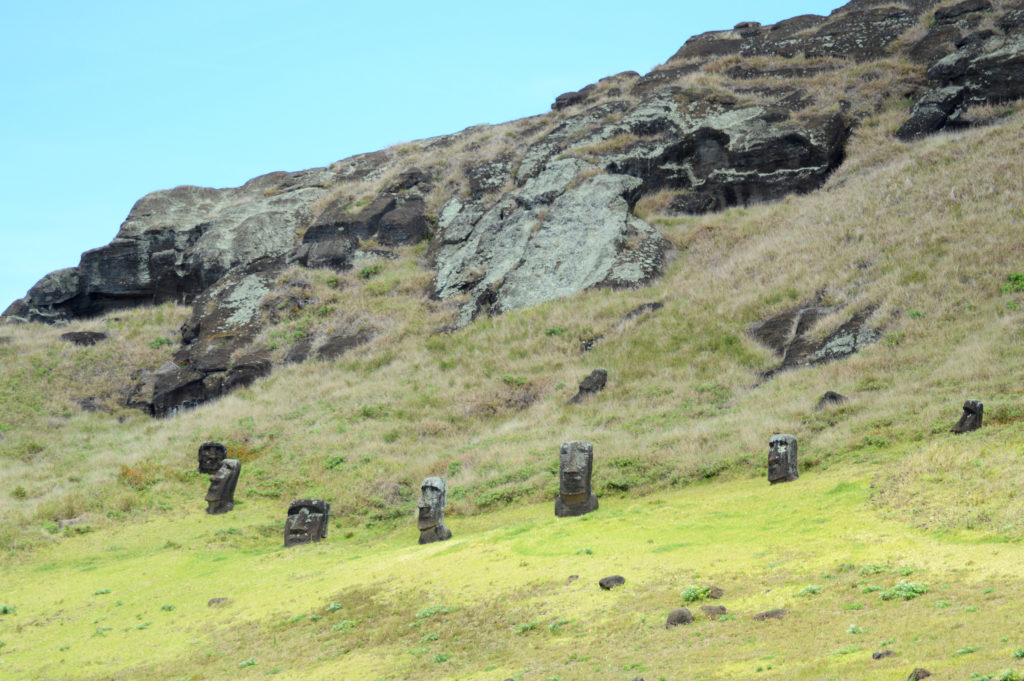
782	461
307	521
210	456
575	468
430	510
220	497
971	418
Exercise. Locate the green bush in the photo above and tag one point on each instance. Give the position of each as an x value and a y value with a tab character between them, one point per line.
904	590
693	593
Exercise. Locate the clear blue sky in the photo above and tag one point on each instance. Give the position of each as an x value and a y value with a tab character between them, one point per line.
102	102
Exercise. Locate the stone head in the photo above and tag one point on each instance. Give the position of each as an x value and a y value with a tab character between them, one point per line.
433	498
782	462
575	466
210	456
220	496
971	419
307	521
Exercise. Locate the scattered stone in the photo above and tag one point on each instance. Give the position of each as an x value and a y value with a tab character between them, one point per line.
782	462
945	15
829	399
85	338
971	418
211	454
713	610
430	518
607	583
776	614
588	345
220	497
677	617
216	601
918	674
572	578
575	467
933	111
715	592
336	346
882	654
591	385
307	521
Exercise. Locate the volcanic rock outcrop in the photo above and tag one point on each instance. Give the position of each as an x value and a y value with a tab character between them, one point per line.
544	207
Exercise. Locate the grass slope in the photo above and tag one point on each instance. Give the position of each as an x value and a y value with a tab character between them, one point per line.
929	233
496	600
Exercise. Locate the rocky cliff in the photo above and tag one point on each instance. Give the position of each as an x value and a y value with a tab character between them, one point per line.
544	207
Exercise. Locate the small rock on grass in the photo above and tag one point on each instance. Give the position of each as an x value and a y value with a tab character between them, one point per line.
713	610
882	654
777	614
677	617
918	674
612	582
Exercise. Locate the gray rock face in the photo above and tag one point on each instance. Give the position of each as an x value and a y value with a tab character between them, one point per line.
563	232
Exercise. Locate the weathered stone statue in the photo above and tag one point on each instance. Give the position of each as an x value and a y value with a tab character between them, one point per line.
220	498
575	466
307	521
430	518
971	418
782	459
210	456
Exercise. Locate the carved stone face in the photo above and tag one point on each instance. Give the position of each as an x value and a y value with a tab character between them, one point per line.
210	456
221	494
433	498
575	465
307	521
782	462
971	418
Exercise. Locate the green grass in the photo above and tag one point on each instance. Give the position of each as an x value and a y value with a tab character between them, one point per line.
381	606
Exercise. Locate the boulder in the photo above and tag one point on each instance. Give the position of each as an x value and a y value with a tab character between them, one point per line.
776	614
946	15
713	610
591	385
85	338
677	617
608	583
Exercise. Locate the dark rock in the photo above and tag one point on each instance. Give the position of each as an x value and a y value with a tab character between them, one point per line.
391	219
918	674
777	614
974	39
575	468
713	610
571	579
970	420
89	404
607	583
1011	21
932	112
677	617
216	601
176	388
787	333
246	370
299	351
588	345
83	337
829	399
782	459
488	177
641	309
882	654
937	43
307	521
591	385
336	346
430	511
715	593
568	99
945	15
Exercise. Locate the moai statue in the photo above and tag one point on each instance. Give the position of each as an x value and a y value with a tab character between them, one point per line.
575	466
971	418
782	459
210	456
307	521
430	517
220	498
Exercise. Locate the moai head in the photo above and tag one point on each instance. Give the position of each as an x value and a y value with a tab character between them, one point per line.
307	521
220	498
575	466
782	465
971	418
210	456
430	510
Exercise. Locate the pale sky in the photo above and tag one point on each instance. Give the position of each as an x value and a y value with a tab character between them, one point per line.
102	102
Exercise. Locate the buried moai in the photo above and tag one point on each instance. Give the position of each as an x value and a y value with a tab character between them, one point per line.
575	466
307	521
782	465
971	418
223	472
430	511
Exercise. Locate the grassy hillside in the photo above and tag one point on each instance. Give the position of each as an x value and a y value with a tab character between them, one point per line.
929	233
